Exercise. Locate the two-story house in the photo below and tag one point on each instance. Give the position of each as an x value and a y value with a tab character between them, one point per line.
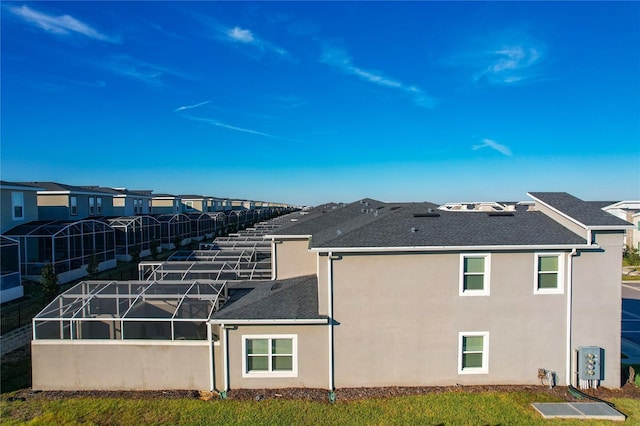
57	201
18	205
379	294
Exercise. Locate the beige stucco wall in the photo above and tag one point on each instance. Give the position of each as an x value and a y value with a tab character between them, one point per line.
293	259
399	317
114	365
313	356
323	288
562	220
597	302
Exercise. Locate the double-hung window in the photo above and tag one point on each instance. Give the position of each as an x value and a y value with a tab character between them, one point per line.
99	205
270	356
92	206
17	205
473	352
73	205
548	273
474	274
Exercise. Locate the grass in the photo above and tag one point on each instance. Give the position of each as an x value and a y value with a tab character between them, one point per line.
452	408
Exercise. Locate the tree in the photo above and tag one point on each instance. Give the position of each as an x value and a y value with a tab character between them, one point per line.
49	282
135	254
92	266
176	241
631	256
154	245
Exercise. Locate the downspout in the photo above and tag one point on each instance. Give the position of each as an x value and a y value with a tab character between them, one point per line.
225	362
274	260
330	314
569	366
212	383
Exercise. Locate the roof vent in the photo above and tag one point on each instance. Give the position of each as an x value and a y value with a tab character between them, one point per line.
500	213
339	231
427	214
276	286
414	230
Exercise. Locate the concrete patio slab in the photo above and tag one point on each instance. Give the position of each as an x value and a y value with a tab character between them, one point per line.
578	410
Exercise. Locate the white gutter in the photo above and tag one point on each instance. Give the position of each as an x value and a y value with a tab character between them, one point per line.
568	366
330	314
330	250
288	237
223	322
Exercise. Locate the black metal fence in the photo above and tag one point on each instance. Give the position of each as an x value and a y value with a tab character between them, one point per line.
15	316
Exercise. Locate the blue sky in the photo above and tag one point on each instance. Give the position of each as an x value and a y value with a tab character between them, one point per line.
308	102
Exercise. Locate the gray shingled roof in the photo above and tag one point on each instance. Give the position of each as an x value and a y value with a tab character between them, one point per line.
340	219
447	228
585	212
21	185
294	298
114	191
55	186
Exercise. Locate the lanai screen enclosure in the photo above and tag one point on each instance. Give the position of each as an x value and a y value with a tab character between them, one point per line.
121	310
67	245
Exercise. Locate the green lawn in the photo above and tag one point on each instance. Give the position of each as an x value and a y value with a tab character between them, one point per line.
452	408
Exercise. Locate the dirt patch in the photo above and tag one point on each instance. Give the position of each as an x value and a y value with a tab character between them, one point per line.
310	394
322	395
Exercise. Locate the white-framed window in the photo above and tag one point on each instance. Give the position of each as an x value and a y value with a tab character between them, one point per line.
17	205
99	205
73	205
473	352
189	205
270	355
92	206
549	273
474	274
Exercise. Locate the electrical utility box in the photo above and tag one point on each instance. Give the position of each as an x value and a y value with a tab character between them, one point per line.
590	363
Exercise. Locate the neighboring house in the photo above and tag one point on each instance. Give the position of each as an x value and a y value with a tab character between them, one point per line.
629	211
197	204
58	201
217	204
165	204
367	294
127	202
18	205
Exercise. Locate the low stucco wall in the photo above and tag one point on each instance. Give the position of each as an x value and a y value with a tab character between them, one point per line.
120	365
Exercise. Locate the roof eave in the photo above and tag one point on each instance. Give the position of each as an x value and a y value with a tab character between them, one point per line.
282	321
453	248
